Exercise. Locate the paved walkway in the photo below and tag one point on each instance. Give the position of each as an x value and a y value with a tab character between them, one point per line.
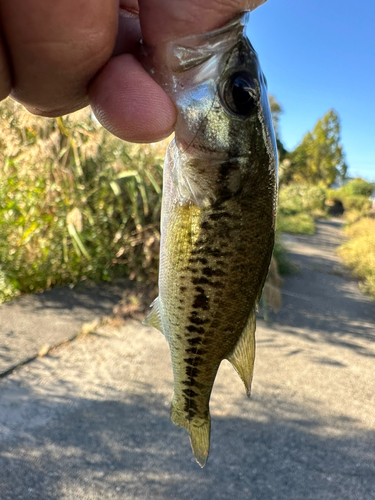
91	419
34	323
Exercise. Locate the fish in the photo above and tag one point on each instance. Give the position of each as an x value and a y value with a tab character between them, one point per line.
218	215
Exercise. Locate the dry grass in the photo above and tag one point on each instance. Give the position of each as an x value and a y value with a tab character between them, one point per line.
359	252
75	202
271	297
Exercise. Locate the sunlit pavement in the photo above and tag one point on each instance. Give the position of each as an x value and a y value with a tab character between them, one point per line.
91	420
34	323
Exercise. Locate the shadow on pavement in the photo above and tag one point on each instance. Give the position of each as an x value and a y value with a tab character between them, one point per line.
128	449
85	440
101	297
323	303
29	323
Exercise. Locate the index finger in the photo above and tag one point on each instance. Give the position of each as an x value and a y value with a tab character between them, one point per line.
187	17
124	97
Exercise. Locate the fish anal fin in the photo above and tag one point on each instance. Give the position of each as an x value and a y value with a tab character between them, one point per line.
199	429
243	355
154	317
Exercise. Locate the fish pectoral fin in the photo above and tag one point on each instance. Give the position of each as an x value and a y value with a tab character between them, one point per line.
199	430
243	355
200	191
154	317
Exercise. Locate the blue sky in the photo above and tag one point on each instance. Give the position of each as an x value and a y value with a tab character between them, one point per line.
318	55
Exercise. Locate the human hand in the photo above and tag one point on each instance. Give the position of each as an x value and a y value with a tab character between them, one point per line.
64	54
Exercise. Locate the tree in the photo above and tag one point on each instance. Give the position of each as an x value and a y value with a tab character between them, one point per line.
276	111
358	187
319	159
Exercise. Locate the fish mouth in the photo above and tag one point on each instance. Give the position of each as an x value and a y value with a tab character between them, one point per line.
199	151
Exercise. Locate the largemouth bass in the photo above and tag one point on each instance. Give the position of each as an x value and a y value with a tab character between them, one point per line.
218	216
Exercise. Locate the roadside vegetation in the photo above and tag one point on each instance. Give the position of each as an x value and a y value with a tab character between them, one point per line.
306	177
78	204
307	172
359	252
355	197
299	206
75	203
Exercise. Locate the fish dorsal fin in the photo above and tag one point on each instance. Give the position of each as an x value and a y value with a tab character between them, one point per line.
243	355
154	317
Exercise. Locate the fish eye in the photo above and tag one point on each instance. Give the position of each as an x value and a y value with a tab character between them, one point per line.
238	94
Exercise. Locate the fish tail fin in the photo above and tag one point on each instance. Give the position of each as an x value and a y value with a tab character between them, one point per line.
199	431
200	440
243	355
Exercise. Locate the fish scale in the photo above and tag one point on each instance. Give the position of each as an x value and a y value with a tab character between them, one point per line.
218	217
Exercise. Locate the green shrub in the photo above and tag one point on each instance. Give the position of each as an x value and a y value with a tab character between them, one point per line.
280	254
296	198
301	223
359	203
354	197
357	187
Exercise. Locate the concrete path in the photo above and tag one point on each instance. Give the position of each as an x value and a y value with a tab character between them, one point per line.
91	419
34	323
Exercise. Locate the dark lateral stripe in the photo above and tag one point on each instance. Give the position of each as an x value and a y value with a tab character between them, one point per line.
192	405
190	393
192	371
208	271
205	281
191	382
202	260
201	281
196	320
201	302
191	414
194	341
220	215
196	350
192	361
197	329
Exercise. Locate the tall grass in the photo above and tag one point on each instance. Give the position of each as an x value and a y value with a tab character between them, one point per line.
301	223
359	252
299	205
355	197
75	202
